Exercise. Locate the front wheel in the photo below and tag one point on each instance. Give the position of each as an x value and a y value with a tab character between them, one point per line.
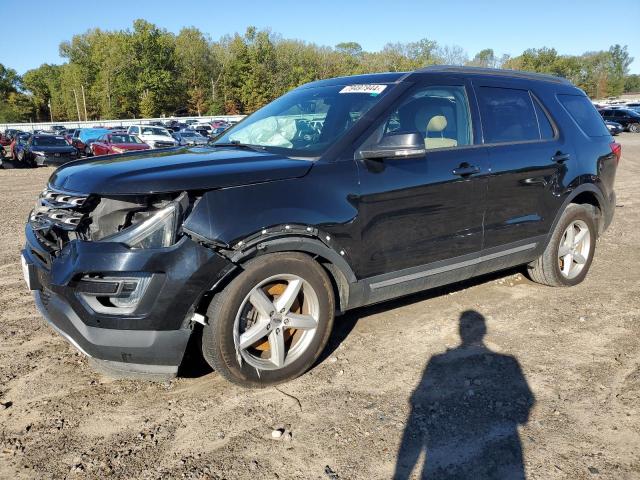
270	324
568	256
634	128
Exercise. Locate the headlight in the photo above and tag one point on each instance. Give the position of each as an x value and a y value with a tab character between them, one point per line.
159	230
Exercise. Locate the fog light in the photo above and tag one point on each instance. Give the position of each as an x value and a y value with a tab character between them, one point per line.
113	295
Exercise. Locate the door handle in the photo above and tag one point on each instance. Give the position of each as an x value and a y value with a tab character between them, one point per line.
465	170
560	157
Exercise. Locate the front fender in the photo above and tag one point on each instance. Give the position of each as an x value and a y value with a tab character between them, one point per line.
321	199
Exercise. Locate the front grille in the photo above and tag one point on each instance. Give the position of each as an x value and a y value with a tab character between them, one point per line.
57	215
163	144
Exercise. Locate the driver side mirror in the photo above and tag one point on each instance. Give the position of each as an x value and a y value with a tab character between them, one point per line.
396	145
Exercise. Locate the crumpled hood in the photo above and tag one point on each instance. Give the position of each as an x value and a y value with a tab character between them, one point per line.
175	169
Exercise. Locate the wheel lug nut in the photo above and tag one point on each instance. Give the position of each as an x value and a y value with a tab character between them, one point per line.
282	311
286	321
268	326
277	330
271	314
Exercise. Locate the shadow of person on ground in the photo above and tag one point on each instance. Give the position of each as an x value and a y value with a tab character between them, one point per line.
465	412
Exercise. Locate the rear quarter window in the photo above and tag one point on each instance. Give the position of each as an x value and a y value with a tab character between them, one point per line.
584	114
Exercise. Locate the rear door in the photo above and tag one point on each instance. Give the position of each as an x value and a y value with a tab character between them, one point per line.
529	157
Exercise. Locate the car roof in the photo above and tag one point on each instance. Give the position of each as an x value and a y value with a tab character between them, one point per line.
494	72
397	77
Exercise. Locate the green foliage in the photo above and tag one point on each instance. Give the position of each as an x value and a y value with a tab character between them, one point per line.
599	74
632	83
148	71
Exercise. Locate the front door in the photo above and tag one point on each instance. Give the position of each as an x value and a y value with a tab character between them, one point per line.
417	211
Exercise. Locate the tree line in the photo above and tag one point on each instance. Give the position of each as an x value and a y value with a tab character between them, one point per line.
147	71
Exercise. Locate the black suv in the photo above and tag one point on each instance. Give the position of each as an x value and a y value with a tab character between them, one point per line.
342	193
629	119
42	150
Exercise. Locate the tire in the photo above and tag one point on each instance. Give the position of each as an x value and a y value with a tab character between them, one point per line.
558	271
634	128
87	151
232	313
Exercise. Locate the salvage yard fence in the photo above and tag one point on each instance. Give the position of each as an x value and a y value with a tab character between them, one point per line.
30	127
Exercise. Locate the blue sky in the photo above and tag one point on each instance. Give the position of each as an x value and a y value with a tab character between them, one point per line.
31	38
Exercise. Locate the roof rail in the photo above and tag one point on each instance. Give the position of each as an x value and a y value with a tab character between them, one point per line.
498	72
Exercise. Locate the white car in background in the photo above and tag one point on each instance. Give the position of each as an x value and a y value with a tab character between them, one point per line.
155	137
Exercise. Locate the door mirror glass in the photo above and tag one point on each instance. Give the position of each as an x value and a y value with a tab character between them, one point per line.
396	145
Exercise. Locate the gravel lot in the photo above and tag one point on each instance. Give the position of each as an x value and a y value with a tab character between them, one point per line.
553	390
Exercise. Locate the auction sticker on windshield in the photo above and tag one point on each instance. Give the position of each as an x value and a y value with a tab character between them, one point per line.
364	88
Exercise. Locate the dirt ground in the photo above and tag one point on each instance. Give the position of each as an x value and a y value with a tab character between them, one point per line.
552	389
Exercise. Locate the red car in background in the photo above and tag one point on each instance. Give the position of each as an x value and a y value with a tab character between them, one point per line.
117	143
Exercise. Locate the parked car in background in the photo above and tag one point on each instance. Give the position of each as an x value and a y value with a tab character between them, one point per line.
614	128
217	131
17	145
111	143
155	137
83	137
68	134
219	124
5	142
189	137
41	150
629	119
203	129
57	129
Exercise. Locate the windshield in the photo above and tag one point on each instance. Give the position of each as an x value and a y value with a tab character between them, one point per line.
125	139
155	131
305	122
49	142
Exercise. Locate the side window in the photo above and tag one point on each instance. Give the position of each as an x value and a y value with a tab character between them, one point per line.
546	129
134	129
507	114
439	113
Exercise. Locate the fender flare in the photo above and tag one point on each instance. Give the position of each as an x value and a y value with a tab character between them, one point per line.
308	242
583	187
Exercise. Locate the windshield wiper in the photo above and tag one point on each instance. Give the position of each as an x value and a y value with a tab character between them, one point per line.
255	148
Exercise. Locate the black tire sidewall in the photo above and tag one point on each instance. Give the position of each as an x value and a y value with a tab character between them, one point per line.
217	341
571	214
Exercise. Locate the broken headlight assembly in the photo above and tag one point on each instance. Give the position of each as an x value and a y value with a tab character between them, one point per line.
156	228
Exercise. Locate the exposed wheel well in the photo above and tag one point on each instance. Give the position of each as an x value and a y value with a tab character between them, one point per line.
590	198
338	281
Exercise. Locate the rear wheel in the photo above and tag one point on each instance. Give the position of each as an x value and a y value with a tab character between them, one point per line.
271	323
568	256
634	128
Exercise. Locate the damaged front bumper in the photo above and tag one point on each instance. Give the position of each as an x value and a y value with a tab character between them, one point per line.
148	339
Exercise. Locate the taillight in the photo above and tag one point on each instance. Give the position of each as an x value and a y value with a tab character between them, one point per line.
616	149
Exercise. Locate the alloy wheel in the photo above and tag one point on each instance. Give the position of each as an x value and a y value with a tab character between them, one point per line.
276	322
574	249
